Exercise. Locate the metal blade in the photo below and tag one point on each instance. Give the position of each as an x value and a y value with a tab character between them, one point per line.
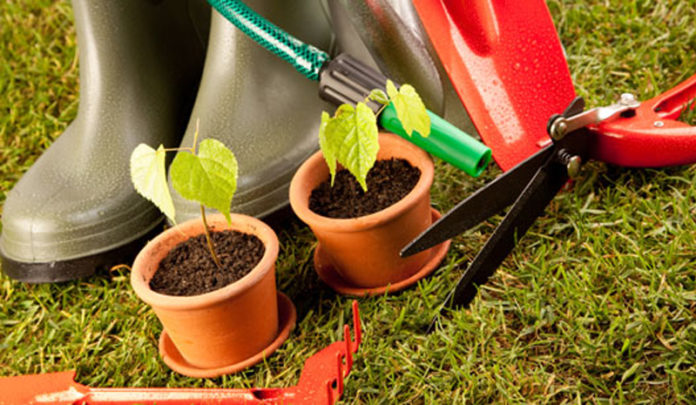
487	201
575	107
543	187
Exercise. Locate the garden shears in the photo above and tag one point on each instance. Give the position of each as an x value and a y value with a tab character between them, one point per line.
627	133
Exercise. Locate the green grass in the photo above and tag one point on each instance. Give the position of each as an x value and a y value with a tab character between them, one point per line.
597	303
689	114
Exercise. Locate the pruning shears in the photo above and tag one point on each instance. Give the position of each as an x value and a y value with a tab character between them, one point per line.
627	133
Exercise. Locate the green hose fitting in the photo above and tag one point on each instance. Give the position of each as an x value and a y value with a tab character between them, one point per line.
305	58
446	141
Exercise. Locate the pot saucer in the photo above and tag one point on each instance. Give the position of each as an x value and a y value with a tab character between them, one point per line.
328	274
171	356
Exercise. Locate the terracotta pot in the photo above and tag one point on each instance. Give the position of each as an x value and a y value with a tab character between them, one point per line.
224	326
365	250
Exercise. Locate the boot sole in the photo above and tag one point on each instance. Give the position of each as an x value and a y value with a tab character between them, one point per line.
66	270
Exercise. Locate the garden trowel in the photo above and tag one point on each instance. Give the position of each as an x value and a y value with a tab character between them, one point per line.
507	64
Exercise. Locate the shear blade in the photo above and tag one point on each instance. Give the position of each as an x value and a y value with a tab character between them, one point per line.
484	203
531	203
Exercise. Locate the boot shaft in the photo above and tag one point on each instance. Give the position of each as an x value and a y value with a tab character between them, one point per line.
130	49
259	105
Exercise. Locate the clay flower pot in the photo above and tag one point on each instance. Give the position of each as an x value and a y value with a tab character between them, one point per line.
225	330
360	256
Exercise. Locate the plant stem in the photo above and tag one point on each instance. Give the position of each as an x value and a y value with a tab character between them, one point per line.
195	137
383	106
208	239
382	109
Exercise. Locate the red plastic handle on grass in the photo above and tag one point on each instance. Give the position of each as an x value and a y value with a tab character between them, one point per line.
653	137
321	382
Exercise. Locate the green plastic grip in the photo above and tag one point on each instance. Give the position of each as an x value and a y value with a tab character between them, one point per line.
445	141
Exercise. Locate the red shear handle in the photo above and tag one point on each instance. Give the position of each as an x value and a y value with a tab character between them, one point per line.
653	137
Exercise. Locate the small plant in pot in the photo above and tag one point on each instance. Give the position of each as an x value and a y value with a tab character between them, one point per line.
366	194
210	281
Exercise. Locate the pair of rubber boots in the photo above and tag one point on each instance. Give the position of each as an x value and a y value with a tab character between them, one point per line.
146	76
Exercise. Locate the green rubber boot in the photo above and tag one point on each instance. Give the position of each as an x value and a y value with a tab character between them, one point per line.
259	106
76	210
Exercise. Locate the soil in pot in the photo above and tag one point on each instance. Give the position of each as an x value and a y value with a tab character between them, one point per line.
387	182
189	268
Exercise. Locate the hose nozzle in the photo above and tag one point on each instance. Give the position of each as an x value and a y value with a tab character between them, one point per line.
345	79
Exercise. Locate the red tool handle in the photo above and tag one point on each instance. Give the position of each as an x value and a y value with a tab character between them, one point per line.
653	137
321	382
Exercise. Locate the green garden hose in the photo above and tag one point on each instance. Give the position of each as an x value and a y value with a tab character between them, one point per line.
305	58
346	80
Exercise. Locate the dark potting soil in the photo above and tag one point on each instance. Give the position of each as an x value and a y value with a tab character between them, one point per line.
387	182
189	268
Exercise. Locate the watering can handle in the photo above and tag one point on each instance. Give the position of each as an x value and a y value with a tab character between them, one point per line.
653	136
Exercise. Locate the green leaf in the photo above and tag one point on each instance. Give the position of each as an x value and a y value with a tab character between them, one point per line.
378	96
209	178
409	109
326	147
353	136
391	89
149	177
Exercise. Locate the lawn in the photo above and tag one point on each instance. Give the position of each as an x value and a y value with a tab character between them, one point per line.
596	304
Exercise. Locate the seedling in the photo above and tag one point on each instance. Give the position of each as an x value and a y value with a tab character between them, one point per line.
207	176
350	137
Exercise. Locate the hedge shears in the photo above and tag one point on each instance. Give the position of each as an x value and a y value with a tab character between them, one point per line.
626	133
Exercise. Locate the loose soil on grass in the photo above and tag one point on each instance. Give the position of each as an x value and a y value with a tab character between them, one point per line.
189	268
387	182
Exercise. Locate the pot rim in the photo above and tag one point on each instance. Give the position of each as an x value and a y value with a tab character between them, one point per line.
414	155
239	222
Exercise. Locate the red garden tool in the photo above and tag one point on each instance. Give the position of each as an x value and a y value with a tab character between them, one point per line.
506	63
321	382
627	133
654	136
